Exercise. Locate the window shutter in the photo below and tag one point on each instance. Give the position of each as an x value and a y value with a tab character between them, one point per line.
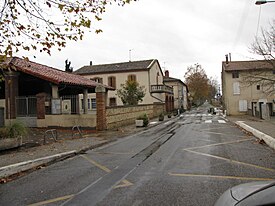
114	82
242	105
110	81
236	88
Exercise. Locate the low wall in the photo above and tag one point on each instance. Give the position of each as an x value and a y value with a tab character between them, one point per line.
83	120
125	115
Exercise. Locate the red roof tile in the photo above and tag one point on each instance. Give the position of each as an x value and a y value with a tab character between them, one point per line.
50	74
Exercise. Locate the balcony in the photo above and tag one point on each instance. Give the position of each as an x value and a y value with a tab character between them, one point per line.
161	89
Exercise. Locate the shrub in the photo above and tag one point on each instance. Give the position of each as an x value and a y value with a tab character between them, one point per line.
3	133
161	117
16	129
145	119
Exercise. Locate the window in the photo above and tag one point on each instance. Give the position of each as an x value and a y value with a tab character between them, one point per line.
258	87
242	105
89	104
132	77
112	82
236	88
112	102
82	103
235	74
98	80
93	103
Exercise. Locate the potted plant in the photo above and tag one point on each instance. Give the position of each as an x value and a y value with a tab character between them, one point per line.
161	117
169	115
142	120
11	136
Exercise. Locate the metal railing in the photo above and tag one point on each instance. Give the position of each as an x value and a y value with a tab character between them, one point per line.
161	89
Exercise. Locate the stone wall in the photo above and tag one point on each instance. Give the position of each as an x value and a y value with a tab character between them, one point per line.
125	115
66	120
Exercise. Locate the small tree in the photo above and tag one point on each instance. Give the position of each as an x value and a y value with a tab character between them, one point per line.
131	93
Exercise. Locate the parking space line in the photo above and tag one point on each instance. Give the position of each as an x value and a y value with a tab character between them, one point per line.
220	133
219	177
115	153
230	160
222	127
217	144
125	183
52	200
96	164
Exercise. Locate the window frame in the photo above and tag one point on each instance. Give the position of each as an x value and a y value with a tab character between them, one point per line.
98	79
132	77
236	88
112	81
235	75
112	104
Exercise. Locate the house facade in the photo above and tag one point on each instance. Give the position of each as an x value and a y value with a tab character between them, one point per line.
180	91
244	92
42	96
147	73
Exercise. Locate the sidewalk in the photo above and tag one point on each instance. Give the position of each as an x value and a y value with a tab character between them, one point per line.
262	129
35	154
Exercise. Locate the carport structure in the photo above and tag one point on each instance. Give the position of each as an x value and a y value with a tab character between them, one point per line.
43	96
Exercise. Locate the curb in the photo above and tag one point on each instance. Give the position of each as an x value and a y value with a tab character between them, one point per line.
31	165
11	170
270	141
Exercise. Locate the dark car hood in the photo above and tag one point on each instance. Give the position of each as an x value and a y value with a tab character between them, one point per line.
241	191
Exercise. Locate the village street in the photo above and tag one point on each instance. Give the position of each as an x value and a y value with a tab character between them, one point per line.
190	160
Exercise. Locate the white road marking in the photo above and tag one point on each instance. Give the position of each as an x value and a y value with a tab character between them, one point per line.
208	121
222	121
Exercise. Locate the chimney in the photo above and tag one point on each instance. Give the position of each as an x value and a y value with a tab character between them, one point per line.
166	73
226	58
91	63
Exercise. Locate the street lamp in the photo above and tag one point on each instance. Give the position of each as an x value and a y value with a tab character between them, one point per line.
260	2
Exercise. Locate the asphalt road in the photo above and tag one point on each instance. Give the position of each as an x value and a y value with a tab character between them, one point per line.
191	160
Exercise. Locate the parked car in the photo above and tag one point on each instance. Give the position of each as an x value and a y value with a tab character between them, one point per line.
249	194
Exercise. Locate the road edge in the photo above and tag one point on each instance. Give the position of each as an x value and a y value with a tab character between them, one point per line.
270	141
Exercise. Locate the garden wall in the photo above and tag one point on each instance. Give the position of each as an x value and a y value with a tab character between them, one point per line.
124	115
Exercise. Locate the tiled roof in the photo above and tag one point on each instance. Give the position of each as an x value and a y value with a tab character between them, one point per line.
115	67
171	79
248	65
50	74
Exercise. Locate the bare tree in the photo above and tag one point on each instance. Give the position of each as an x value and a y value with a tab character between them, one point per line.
44	24
264	74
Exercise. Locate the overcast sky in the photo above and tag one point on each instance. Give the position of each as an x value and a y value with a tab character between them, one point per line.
178	33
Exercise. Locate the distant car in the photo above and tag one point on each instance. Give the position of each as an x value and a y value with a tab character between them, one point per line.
249	194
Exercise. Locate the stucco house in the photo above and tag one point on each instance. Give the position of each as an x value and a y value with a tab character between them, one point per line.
42	96
242	93
147	73
180	91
